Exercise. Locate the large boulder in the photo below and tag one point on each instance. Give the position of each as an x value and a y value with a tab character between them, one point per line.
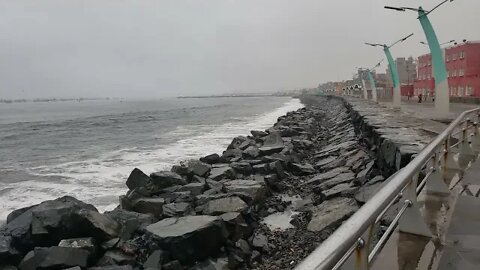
137	179
273	143
198	168
255	190
49	222
165	179
130	221
55	258
224	172
303	169
225	205
210	159
331	214
189	238
152	205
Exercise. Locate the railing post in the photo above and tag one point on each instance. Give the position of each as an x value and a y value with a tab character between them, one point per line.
359	258
435	183
476	135
466	153
412	221
449	162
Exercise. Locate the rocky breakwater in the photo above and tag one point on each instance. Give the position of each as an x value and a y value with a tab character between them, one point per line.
265	203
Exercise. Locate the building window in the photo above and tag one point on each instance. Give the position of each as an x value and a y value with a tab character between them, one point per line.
454	73
454	91
461	72
460	91
468	91
454	56
462	54
448	57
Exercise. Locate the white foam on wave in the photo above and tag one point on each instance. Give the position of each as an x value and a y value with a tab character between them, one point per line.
101	180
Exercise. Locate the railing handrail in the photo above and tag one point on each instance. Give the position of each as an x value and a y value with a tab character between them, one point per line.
331	251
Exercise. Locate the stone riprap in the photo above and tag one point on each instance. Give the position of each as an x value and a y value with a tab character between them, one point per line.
397	136
311	170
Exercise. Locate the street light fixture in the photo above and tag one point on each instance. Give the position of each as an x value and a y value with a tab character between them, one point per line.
372	81
393	68
448	42
442	98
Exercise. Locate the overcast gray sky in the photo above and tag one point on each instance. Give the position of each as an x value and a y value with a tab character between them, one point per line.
140	48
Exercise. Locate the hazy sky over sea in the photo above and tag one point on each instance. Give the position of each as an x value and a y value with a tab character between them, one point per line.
146	48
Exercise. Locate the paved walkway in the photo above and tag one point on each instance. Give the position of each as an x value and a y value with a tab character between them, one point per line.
427	110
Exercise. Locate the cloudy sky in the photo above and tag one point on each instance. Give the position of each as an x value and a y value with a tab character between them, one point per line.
146	48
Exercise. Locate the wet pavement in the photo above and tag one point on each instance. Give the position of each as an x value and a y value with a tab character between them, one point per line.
454	221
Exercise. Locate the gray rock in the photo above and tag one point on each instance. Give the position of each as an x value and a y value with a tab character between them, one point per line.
54	258
303	169
325	161
251	152
366	192
87	243
199	168
225	205
236	226
99	226
273	143
343	190
44	224
130	221
173	265
334	164
337	180
149	206
263	168
358	156
319	178
186	237
362	176
181	169
194	188
236	142
110	244
277	168
137	179
177	209
112	267
210	159
242	167
15	213
258	133
252	188
165	179
155	260
260	241
220	173
331	214
116	257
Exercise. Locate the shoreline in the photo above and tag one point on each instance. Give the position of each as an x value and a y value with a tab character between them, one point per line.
230	201
216	139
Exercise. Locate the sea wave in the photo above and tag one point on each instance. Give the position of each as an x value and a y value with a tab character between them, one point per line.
101	180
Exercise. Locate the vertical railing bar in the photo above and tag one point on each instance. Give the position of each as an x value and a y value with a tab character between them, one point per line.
388	232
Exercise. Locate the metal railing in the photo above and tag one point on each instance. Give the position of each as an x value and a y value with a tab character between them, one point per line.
349	246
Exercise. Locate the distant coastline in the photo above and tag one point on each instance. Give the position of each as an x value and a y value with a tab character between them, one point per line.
8	101
237	95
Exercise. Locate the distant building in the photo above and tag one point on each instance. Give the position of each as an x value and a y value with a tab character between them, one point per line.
407	71
463	68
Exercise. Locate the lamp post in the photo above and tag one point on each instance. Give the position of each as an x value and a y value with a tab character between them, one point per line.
372	82
442	97
393	69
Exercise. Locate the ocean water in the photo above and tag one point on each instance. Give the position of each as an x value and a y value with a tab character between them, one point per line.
87	149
